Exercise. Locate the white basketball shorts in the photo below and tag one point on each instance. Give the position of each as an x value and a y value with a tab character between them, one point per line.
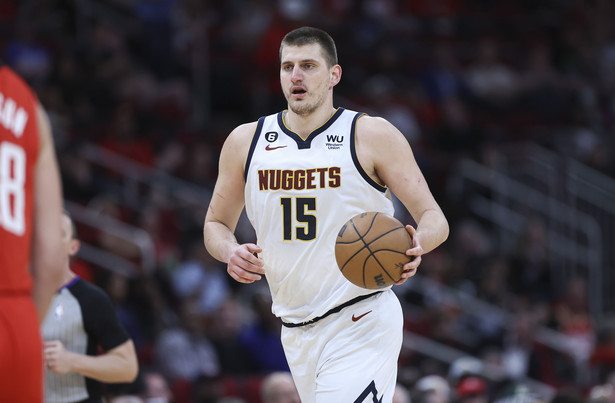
350	356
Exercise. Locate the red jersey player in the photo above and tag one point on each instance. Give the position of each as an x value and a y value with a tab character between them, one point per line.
31	255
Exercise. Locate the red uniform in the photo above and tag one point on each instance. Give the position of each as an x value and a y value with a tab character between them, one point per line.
20	343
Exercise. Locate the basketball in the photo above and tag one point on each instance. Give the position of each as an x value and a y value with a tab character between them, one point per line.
370	250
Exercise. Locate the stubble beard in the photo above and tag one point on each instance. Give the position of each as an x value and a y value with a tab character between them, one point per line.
304	108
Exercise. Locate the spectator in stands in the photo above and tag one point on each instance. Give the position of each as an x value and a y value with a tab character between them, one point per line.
490	79
601	394
432	389
545	93
518	353
118	288
261	338
532	274
200	277
206	389
401	394
602	358
442	78
183	352
567	396
464	366
149	387
228	322
471	389
278	387
157	388
126	399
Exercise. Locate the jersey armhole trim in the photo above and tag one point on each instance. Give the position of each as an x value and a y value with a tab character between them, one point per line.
355	158
255	137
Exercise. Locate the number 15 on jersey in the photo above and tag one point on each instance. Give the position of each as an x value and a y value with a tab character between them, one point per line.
297	218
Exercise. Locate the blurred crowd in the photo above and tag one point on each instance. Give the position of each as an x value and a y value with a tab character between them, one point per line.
162	82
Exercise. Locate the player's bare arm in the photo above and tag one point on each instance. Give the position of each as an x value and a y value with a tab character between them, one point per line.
48	257
226	205
117	365
387	157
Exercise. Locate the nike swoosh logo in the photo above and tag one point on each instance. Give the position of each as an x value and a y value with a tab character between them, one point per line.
356	318
269	148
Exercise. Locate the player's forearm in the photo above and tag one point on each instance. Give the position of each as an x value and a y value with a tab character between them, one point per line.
42	295
432	229
48	274
219	240
114	366
48	257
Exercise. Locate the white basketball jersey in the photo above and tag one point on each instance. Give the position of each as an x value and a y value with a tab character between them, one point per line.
299	192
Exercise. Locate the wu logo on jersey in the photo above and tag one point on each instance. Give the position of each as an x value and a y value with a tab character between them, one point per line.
334	142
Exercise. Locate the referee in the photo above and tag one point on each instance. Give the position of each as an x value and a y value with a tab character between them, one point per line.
80	321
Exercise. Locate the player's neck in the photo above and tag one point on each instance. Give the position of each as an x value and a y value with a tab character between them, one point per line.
303	125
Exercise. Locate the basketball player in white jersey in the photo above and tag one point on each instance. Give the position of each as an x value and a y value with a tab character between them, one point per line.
301	173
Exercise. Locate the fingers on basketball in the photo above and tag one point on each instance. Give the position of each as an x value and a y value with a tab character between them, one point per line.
370	250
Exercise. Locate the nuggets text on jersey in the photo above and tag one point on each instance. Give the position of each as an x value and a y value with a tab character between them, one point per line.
299	179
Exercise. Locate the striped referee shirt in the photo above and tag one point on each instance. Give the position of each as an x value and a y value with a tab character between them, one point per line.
83	318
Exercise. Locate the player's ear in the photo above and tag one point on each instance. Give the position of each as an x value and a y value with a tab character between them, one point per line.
75	244
335	75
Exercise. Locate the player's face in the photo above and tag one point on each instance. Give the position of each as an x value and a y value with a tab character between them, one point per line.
305	78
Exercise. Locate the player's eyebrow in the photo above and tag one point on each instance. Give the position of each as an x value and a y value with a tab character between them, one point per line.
301	61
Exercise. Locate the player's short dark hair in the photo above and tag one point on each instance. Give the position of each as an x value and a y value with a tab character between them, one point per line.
308	35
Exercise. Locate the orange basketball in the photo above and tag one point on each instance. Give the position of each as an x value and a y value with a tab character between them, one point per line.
370	250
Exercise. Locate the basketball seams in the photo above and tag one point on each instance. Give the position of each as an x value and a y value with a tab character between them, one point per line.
379	264
366	245
389	255
348	243
372	254
385	234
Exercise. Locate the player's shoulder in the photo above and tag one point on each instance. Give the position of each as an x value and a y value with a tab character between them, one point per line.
247	130
89	292
246	127
369	123
375	128
21	83
242	133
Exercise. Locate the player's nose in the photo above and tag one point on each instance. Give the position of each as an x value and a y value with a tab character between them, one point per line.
297	75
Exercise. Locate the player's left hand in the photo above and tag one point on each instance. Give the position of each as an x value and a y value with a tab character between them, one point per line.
415	252
57	357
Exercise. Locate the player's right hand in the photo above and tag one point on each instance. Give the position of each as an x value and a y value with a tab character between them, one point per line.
244	265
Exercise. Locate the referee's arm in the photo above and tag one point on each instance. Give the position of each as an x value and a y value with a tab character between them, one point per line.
116	365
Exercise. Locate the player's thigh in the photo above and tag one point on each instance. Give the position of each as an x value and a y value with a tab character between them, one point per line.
359	364
21	363
302	348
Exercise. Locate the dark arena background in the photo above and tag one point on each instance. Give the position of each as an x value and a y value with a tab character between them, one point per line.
509	106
